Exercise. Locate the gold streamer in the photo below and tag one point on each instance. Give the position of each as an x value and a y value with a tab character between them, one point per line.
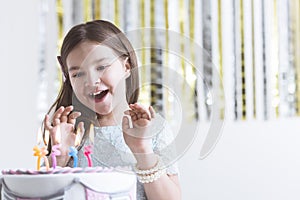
181	25
116	16
152	15
87	10
192	26
222	112
60	24
60	20
144	91
243	59
97	9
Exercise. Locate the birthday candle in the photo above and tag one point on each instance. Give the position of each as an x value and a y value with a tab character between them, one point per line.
89	149
41	153
73	152
55	152
87	153
55	148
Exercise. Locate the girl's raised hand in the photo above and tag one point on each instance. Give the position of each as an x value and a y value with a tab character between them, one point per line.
64	119
138	138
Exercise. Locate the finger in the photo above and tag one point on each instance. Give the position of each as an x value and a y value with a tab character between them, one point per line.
133	108
125	123
142	111
152	111
56	122
73	116
127	112
47	123
57	115
65	113
145	116
132	113
138	107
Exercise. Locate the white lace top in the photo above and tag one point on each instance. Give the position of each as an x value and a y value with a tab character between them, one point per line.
110	150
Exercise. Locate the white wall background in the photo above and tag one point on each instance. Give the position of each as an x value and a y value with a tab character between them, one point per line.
253	160
18	86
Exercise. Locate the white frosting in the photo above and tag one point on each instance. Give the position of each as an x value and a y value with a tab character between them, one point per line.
41	185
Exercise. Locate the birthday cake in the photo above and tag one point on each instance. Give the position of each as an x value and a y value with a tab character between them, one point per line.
66	183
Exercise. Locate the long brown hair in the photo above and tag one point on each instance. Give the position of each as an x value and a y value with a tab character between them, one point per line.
106	33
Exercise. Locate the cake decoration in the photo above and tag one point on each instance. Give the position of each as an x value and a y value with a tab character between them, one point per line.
66	183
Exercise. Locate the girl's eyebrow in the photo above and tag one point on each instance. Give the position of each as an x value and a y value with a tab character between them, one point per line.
73	68
101	60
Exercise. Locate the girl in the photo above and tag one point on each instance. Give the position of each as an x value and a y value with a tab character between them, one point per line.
101	88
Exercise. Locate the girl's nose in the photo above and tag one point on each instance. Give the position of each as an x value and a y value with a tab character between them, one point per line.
92	80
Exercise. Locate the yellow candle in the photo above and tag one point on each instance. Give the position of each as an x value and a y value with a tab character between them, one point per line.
41	153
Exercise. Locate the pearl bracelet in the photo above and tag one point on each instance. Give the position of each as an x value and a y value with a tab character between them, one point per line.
151	177
154	169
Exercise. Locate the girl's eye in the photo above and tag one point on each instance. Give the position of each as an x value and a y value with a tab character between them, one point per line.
100	68
77	75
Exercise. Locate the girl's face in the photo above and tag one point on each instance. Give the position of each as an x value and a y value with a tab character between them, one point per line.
98	76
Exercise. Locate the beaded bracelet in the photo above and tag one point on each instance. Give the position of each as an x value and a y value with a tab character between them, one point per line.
151	177
154	169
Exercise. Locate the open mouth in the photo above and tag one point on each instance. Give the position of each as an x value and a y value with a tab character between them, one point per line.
99	96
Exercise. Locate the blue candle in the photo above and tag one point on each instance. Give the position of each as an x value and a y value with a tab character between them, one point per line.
73	152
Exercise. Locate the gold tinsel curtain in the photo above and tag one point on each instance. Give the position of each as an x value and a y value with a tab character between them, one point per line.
239	58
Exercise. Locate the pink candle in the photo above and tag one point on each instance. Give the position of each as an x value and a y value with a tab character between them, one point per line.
55	152
89	149
87	153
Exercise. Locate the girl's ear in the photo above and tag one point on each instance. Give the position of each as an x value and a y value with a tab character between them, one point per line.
127	67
